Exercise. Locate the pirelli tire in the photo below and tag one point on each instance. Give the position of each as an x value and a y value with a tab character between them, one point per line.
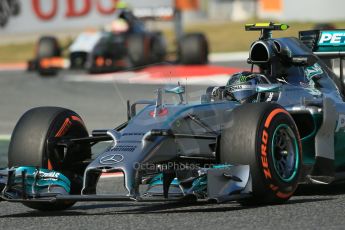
32	144
193	49
265	137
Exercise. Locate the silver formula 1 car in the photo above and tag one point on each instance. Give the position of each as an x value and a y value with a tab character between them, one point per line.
253	140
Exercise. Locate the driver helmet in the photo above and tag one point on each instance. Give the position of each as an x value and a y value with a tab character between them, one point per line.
242	86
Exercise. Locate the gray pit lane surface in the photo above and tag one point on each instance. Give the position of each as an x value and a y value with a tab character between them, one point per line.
102	106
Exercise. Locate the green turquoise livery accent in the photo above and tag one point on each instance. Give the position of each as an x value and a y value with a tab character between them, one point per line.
176	90
312	71
339	148
199	185
158	180
270	88
308	142
37	180
331	41
332	38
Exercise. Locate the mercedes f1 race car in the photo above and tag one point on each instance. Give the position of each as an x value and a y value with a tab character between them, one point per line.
125	43
252	140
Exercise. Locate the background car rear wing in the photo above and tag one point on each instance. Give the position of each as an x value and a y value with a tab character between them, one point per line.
165	10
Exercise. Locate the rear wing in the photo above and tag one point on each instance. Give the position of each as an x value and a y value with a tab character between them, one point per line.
155	13
325	43
160	10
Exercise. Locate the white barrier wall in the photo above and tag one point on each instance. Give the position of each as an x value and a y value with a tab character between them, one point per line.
302	10
58	15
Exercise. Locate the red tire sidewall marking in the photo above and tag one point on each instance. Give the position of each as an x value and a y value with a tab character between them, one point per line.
265	163
64	128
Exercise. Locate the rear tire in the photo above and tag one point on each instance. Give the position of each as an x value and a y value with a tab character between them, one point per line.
193	49
29	147
265	137
47	47
145	49
4	16
158	48
138	49
50	72
15	7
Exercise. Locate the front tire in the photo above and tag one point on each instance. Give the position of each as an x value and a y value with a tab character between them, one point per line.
29	147
265	137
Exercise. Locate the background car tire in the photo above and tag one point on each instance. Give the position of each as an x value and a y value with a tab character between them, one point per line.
158	48
193	49
47	47
264	136
78	60
29	147
15	7
4	15
50	72
32	65
138	49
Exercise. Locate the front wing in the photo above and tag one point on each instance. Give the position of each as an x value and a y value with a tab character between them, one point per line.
30	184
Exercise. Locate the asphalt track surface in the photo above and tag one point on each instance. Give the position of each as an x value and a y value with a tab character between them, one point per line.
102	105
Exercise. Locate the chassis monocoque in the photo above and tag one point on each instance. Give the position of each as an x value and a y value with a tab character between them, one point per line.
216	149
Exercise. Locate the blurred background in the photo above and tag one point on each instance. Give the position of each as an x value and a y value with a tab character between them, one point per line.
221	20
101	98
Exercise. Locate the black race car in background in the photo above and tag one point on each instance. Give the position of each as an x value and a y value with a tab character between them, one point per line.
126	43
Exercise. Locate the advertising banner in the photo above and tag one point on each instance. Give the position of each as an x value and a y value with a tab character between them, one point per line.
30	16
